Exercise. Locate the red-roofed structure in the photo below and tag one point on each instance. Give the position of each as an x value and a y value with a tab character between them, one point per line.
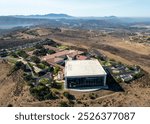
81	57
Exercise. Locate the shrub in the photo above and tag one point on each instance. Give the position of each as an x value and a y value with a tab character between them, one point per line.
51	95
41	66
45	63
57	85
64	104
32	33
18	65
120	63
148	38
10	105
79	102
69	96
28	77
42	92
71	103
56	70
119	80
93	96
85	104
131	68
112	60
138	75
44	81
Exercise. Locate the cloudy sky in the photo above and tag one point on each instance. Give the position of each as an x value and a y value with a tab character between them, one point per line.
126	8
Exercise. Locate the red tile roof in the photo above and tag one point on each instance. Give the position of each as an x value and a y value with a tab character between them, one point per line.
55	60
81	57
55	55
70	53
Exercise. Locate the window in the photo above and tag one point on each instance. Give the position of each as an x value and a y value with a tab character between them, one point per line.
85	82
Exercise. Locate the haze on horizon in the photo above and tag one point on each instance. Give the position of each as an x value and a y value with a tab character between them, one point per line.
79	8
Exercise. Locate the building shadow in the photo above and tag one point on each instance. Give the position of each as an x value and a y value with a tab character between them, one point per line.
112	84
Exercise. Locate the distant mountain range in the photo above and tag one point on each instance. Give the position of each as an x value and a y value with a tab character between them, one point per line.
64	20
47	16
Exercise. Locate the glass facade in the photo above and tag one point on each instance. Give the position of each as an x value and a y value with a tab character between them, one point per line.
85	82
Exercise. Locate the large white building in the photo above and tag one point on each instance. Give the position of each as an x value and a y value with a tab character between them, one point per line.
84	74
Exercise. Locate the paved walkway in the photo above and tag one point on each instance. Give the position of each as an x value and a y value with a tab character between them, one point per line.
89	89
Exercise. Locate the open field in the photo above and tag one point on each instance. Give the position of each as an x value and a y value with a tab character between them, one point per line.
133	53
13	90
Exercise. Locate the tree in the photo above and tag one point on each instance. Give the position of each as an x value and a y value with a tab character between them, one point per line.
18	65
56	70
13	54
3	53
42	92
38	46
41	73
51	52
41	52
35	59
41	66
48	66
50	69
44	81
28	77
50	42
57	85
23	54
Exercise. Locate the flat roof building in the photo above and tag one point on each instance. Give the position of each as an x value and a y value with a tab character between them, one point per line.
84	73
